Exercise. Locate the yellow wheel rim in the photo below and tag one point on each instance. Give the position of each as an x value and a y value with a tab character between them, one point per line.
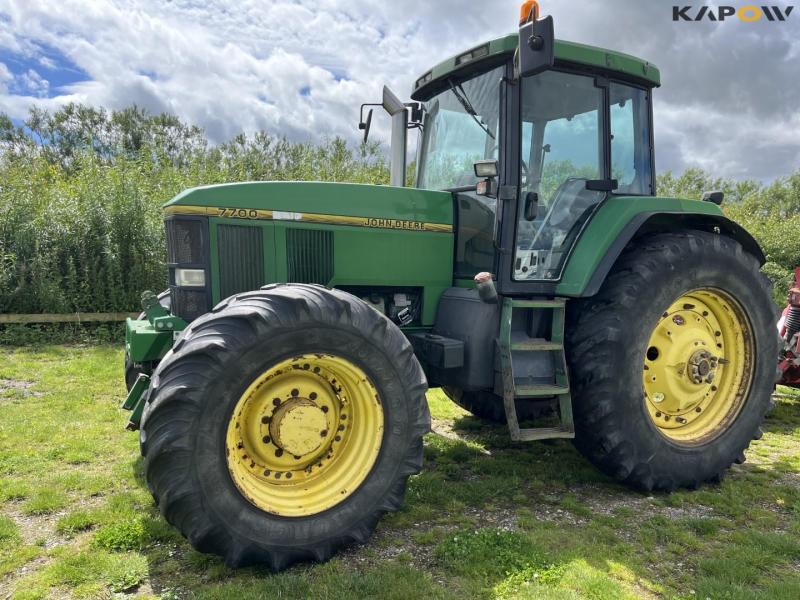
304	435
698	366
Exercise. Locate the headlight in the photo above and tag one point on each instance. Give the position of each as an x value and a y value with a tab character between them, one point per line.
190	278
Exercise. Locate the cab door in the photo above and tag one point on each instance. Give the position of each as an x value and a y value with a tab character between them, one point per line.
578	136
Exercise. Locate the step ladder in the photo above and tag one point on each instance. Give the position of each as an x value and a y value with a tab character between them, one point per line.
512	390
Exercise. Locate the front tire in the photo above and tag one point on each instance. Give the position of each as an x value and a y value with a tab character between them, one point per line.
282	425
672	362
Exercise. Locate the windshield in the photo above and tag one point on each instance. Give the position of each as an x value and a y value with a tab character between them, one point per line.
461	126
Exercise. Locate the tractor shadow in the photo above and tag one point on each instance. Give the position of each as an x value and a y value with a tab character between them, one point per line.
547	505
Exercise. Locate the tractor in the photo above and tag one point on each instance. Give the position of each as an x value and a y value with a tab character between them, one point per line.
279	385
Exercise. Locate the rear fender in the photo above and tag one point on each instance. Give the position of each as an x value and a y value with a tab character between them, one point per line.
621	219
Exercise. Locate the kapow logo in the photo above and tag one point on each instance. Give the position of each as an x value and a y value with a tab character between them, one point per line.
747	13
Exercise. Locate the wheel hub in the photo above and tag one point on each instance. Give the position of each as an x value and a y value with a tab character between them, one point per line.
698	366
702	367
304	434
298	426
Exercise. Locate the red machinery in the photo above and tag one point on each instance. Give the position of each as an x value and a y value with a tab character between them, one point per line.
789	328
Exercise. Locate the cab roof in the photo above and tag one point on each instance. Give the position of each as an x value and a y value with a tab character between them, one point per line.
497	51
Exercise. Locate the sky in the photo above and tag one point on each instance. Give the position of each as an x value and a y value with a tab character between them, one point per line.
729	103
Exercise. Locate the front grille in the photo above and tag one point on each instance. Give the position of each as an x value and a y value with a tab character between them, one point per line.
189	304
241	258
185	241
187	248
309	255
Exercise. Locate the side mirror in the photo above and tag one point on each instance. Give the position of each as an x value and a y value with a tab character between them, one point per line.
366	124
531	206
485	168
714	196
536	46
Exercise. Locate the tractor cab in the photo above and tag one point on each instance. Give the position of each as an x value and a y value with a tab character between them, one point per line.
551	140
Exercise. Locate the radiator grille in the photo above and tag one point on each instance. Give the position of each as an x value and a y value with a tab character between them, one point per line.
189	304
309	255
185	241
241	259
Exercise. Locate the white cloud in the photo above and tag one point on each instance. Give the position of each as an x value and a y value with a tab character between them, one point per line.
5	78
35	84
234	66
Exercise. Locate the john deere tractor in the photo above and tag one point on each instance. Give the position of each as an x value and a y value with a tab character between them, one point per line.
279	385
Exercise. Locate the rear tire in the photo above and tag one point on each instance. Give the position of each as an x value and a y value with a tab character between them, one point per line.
613	358
196	397
488	406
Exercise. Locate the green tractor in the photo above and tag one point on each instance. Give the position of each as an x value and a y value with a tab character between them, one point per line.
279	386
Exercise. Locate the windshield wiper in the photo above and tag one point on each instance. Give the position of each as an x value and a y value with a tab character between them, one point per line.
462	98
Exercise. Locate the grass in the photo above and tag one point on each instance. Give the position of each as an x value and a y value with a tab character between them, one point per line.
487	518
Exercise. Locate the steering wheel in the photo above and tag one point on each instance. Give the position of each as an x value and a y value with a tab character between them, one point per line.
556	213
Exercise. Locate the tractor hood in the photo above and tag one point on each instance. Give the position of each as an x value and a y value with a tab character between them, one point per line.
364	205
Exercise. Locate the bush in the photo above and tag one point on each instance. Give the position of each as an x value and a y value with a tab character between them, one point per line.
81	190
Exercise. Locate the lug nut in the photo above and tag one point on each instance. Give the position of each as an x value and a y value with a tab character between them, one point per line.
279	452
295	393
265	419
265	439
276	401
323	433
312	396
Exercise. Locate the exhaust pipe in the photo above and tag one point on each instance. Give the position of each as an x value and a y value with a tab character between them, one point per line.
397	164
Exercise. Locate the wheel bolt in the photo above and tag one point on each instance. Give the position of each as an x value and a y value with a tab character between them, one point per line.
276	401
698	409
295	392
338	438
288	476
265	439
323	433
312	396
279	452
265	419
324	409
